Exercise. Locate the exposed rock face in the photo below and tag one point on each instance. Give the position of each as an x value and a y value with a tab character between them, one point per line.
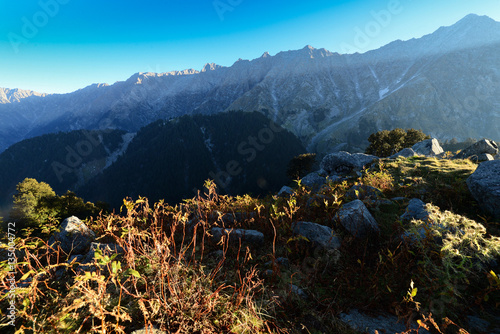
74	237
316	233
429	148
405	153
342	163
356	219
483	150
248	236
484	185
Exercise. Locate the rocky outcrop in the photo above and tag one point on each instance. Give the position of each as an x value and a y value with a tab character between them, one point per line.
429	148
483	150
317	234
356	219
484	185
74	237
342	163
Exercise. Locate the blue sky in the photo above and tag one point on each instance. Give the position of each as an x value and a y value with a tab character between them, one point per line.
58	46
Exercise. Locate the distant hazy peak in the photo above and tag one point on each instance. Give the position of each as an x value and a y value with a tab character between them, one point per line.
16	95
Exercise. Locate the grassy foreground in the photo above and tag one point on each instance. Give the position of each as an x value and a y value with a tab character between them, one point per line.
173	275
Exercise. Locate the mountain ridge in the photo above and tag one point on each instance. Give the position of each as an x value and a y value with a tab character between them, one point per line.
307	90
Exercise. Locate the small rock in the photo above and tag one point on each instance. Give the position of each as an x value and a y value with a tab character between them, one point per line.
356	219
285	191
248	236
298	291
383	323
314	181
281	261
316	233
478	324
416	210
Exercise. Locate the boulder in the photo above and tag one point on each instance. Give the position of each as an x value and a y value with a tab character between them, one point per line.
317	234
247	236
417	210
356	219
404	153
480	151
74	237
429	148
483	157
285	191
342	163
314	181
484	185
382	324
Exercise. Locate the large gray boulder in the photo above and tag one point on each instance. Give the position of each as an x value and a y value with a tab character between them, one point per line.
484	185
483	150
429	148
318	234
235	235
342	163
74	237
356	219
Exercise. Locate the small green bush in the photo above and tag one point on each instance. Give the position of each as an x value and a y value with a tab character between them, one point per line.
385	143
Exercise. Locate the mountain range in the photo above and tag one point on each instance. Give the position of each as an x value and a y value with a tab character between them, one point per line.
446	83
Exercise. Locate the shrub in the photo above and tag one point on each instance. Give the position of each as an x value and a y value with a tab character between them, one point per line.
385	143
301	165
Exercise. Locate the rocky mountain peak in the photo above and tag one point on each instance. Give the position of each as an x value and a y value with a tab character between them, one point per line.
210	67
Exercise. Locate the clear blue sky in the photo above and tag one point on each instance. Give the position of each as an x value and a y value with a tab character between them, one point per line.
58	46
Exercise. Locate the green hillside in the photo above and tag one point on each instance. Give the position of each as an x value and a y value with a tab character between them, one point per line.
242	152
